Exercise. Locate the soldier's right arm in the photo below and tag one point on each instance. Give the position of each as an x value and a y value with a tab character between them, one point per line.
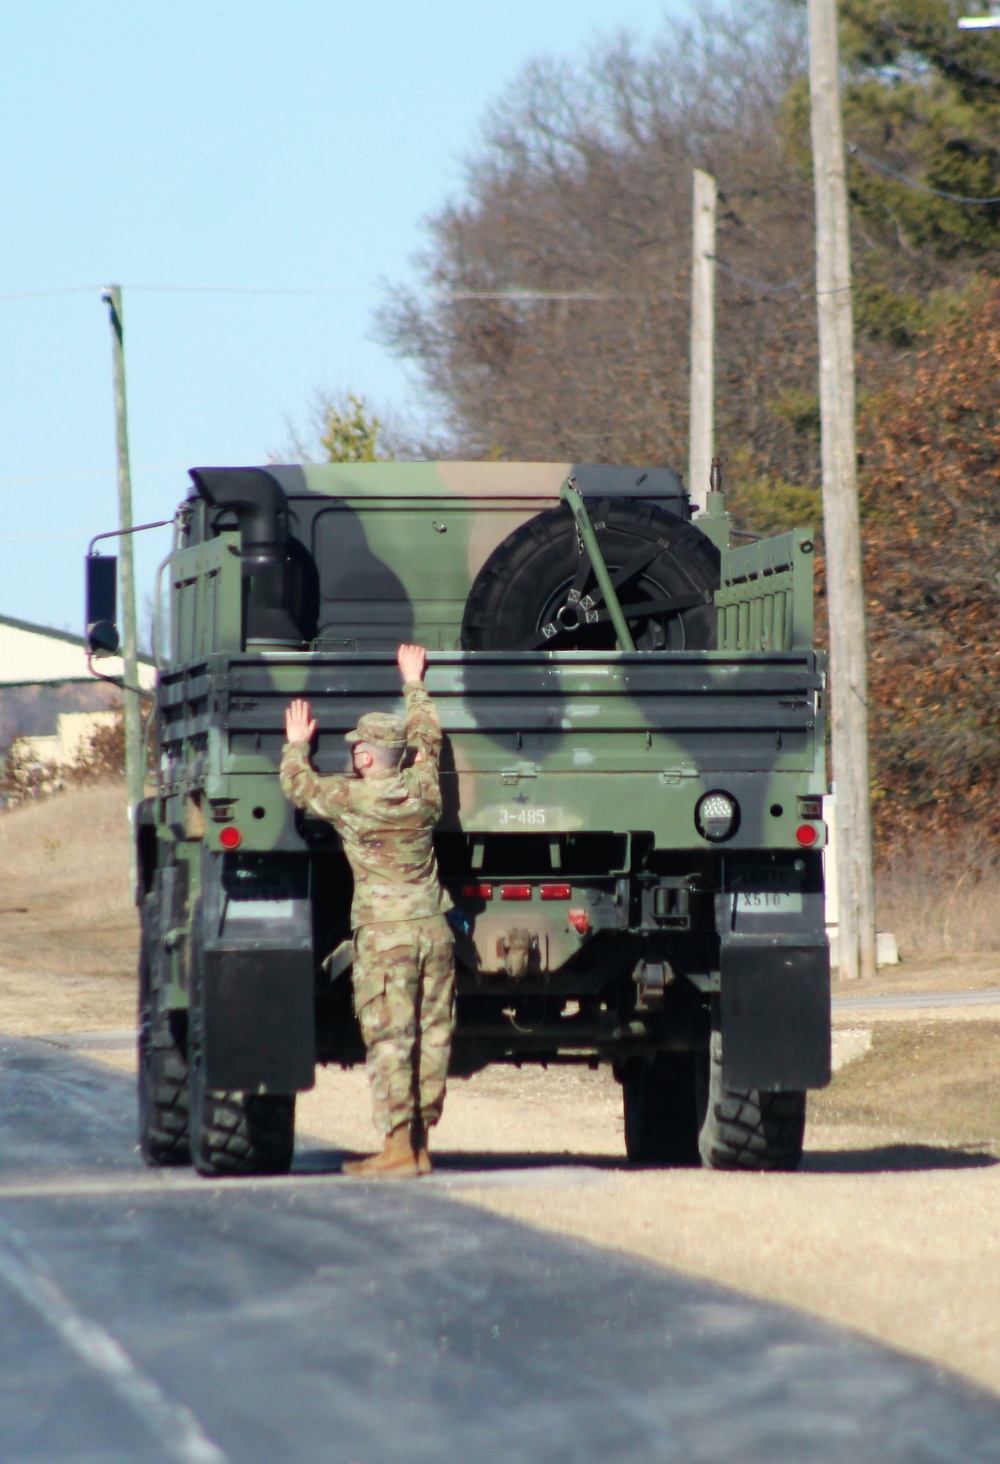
303	786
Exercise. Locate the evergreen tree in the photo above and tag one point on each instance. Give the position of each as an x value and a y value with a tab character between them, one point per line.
922	123
351	433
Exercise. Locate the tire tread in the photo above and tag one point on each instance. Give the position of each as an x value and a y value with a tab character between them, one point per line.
749	1130
245	1133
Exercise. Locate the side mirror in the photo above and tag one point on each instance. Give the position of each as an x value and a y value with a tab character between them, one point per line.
102	604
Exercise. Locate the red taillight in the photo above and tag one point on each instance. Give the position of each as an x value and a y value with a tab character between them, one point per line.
230	837
515	892
557	892
806	835
580	921
477	892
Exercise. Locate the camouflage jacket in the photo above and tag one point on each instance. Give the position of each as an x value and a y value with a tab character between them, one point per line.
385	823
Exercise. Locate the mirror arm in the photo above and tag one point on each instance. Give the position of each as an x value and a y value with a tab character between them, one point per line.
117	533
116	680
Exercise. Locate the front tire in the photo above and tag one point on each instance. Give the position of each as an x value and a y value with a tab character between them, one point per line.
162	1066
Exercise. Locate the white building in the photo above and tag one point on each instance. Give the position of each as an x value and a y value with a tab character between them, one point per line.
32	654
48	691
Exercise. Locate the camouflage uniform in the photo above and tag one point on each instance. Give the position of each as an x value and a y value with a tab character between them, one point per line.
404	968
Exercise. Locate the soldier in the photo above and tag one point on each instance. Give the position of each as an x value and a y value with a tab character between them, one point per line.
404	967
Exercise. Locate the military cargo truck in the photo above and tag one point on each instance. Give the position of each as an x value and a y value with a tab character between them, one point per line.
632	778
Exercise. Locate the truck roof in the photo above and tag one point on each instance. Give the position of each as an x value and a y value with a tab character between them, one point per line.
538	482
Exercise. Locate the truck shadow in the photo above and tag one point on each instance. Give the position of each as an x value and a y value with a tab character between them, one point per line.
886	1159
894	1159
461	1163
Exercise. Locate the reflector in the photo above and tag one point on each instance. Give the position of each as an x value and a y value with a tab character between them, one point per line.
557	892
515	892
230	837
806	835
477	892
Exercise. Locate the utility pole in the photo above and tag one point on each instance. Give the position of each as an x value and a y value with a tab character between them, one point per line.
842	529
112	296
701	435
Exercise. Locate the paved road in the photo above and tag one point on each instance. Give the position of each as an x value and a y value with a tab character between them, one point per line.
154	1317
912	1000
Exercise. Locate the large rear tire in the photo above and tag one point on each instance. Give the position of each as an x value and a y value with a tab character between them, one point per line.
162	1066
242	1133
537	590
232	1134
746	1129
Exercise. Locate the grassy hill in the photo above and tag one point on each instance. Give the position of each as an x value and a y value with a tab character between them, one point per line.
68	928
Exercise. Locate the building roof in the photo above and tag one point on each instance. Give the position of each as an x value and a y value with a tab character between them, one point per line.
32	654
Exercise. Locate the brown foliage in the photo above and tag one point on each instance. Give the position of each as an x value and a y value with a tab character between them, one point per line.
931	524
102	755
25	777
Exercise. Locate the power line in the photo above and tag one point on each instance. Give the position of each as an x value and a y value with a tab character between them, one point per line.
462	296
853	148
452	296
247	290
47	294
762	284
281	291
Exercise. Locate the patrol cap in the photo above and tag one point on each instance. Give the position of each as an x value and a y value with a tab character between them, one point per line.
380	729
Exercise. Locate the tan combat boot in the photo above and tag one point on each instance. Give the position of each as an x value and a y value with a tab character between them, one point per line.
396	1161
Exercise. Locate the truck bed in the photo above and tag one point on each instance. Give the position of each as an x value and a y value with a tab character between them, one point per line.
535	741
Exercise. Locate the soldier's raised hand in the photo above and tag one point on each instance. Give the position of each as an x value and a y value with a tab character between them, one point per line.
412	662
300	724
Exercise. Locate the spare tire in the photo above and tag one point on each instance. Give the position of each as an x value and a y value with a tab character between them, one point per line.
538	591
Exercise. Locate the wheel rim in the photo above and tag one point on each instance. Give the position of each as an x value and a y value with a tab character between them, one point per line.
579	619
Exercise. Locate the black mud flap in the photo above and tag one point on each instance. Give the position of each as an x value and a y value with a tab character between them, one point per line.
259	1021
775	1012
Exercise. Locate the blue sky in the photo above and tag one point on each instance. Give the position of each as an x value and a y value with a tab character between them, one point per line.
218	146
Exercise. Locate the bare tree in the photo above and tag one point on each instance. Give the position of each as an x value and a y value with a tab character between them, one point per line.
576	214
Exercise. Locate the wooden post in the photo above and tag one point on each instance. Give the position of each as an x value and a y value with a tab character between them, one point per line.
842	531
112	296
701	432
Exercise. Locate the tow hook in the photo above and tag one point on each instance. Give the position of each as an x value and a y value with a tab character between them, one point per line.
518	950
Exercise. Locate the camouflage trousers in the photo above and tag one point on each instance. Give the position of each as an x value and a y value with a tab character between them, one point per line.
404	996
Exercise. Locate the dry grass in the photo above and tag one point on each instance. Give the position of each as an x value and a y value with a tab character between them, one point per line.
923	1081
64	894
941	897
